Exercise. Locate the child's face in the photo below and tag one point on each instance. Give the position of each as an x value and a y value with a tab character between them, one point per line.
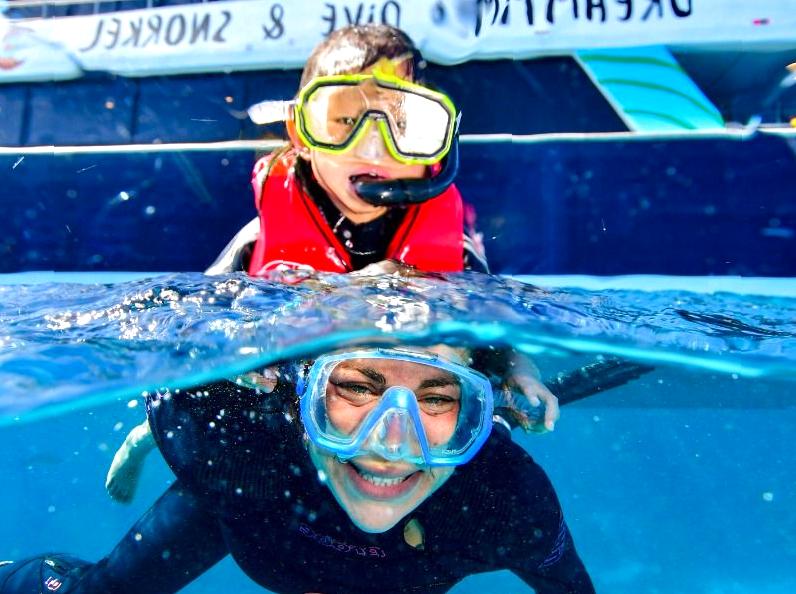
368	159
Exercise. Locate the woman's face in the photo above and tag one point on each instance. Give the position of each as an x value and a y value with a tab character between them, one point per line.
375	492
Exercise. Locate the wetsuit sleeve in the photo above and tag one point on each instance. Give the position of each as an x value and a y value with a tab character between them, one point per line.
544	554
174	542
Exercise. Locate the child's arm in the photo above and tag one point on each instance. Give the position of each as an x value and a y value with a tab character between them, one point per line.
128	462
524	377
474	256
520	376
473	243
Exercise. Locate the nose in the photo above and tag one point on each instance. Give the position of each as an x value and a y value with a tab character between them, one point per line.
395	432
372	146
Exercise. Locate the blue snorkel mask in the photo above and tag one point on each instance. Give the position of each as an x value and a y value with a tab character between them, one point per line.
347	412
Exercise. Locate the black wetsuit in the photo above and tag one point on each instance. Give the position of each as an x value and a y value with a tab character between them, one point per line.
247	487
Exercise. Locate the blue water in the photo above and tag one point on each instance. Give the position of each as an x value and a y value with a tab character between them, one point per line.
680	482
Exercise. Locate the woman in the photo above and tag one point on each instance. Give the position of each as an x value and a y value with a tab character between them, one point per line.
388	478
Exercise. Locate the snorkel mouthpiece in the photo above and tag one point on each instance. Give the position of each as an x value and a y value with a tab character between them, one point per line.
404	192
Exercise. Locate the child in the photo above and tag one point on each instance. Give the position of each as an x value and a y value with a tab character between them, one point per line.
368	173
366	180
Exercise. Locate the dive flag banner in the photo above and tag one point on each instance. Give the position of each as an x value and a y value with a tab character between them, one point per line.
263	34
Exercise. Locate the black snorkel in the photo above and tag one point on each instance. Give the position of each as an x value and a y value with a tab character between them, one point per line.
404	192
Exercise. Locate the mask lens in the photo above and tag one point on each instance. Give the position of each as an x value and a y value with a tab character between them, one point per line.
396	407
418	121
422	128
331	113
360	389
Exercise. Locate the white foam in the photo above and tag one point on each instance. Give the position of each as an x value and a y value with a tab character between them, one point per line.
742	285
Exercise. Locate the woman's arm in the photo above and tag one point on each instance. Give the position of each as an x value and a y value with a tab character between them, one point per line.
174	542
519	382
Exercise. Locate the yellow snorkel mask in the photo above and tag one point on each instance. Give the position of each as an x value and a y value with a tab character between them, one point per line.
334	113
419	126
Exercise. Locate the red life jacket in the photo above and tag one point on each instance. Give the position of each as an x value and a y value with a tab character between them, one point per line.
295	235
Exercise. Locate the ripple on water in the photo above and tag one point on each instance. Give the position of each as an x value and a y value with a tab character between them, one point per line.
68	344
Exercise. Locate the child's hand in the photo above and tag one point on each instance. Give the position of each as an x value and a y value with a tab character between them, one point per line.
522	381
264	380
386	267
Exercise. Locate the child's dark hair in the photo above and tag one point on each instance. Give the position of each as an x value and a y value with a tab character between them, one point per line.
352	49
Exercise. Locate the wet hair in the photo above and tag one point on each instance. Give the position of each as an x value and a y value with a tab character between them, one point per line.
352	49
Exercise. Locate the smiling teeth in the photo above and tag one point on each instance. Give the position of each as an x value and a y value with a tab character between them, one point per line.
381	481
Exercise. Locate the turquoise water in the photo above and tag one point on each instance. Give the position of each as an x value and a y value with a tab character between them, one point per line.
680	482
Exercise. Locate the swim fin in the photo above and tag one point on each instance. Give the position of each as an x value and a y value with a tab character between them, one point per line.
43	574
594	378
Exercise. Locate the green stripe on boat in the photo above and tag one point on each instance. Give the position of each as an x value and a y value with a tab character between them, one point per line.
649	90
